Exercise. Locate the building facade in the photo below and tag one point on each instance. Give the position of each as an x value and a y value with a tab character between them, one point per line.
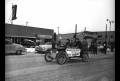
18	33
101	36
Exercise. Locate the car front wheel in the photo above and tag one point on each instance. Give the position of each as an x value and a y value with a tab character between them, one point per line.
48	57
61	58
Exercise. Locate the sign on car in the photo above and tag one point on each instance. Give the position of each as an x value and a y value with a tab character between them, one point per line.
73	52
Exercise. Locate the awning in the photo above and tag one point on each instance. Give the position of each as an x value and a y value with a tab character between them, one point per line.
45	36
90	37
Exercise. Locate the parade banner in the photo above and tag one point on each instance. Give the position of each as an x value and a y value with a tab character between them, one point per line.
73	52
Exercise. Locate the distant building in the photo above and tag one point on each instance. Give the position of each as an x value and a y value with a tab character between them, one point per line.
101	36
18	33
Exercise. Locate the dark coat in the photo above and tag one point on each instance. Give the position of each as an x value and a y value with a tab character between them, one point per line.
84	45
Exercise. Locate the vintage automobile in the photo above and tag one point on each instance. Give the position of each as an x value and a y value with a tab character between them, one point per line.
13	48
28	43
63	54
42	48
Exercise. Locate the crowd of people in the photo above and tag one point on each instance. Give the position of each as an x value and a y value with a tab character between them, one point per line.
93	48
83	45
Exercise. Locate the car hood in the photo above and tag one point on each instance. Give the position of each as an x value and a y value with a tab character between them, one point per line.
18	45
44	47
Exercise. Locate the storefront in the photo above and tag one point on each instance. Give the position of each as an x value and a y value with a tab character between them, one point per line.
18	33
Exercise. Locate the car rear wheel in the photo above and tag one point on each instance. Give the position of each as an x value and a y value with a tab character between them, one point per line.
61	58
48	57
19	52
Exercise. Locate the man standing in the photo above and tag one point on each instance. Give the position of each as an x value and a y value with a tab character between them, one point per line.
105	47
84	51
78	43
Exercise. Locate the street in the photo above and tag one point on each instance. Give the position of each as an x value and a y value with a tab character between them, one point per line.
32	67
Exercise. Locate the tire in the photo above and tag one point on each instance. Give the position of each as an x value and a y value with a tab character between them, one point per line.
48	58
19	52
61	58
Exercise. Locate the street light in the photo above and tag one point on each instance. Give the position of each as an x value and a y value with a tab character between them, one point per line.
27	23
110	21
59	37
58	30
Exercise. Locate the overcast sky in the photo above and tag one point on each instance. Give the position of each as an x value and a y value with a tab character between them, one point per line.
51	14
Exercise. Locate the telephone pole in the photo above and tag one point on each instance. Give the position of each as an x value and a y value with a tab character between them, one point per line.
110	21
27	23
75	32
85	29
58	32
106	35
76	28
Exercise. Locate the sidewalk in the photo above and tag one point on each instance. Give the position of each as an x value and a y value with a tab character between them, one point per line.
101	55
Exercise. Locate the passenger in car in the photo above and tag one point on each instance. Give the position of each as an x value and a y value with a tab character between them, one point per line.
68	43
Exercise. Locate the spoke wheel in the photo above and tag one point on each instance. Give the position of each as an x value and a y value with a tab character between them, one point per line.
61	59
48	58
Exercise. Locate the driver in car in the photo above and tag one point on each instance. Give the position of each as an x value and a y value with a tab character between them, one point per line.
68	43
73	42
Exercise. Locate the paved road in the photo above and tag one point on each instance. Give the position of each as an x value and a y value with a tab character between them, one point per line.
32	67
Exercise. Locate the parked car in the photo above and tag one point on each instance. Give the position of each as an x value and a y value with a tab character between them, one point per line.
28	43
13	48
43	47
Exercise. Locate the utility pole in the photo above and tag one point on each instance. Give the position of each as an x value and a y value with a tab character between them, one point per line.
76	28
75	32
58	32
27	23
106	35
59	42
85	29
85	32
110	21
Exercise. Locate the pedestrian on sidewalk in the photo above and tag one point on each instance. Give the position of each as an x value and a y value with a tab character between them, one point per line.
105	48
